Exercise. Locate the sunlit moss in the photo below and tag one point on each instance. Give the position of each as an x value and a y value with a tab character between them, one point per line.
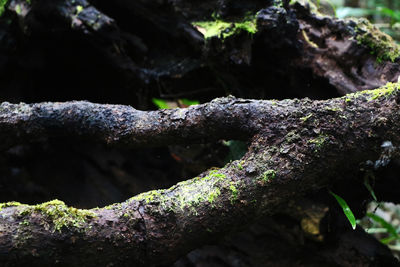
224	29
305	118
9	204
384	91
59	214
189	194
234	191
268	175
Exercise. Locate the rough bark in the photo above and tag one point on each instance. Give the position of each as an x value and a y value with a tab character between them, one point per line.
297	148
127	52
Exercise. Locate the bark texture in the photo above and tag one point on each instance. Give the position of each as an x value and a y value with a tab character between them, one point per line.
128	52
297	148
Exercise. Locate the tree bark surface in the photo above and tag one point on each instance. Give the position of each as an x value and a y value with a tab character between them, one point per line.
297	146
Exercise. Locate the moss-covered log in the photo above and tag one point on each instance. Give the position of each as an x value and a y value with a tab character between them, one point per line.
297	146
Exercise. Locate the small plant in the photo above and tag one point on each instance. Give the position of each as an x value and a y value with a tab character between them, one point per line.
367	184
160	103
3	4
346	210
393	235
181	103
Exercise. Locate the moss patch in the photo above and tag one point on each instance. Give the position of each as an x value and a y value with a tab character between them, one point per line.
59	214
213	195
319	141
189	194
234	191
9	204
268	176
224	29
384	91
381	44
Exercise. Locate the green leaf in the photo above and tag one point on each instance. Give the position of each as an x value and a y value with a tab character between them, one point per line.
160	103
369	187
387	240
346	210
393	14
384	224
376	230
188	102
3	4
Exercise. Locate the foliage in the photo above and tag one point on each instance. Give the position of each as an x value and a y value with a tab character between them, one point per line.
160	103
3	4
164	104
383	13
389	228
367	184
188	102
383	222
346	210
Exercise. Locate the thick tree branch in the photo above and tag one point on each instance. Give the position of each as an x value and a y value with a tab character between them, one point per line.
123	125
298	146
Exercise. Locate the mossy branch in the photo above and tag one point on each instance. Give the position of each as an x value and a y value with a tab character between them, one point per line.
288	156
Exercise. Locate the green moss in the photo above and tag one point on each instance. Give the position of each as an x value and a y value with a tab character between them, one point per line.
319	141
187	195
149	196
212	196
9	204
234	191
381	44
304	119
268	175
240	165
24	222
215	174
384	91
79	9
224	29
198	190
59	214
18	9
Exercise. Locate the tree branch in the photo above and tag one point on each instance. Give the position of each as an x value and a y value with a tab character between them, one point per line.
298	146
123	125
